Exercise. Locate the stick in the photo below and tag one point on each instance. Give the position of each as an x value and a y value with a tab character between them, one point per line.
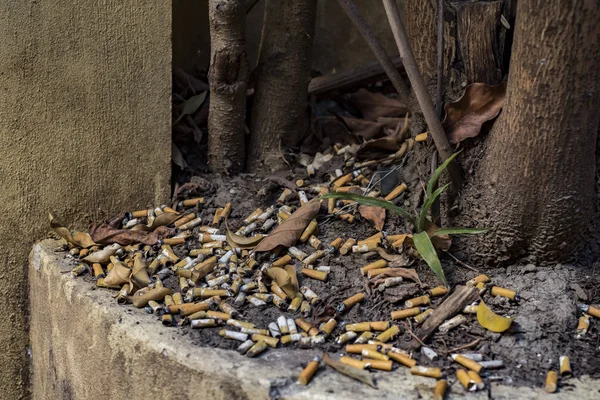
440	59
375	47
454	304
466	346
418	85
464	264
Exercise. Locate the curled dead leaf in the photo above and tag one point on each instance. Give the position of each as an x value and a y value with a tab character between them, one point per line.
79	239
288	233
155	294
379	148
364	128
243	242
490	320
440	242
480	103
118	275
374	214
105	234
399	260
285	279
373	105
102	256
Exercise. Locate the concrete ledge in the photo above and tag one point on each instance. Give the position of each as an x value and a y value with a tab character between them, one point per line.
85	346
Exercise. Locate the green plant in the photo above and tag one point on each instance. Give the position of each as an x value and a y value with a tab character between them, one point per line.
421	238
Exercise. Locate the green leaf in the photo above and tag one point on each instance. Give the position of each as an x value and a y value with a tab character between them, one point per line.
192	105
371	201
427	251
436	174
427	205
459	231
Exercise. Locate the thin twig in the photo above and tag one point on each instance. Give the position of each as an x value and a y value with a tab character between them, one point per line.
466	346
435	207
367	34
464	264
418	85
413	335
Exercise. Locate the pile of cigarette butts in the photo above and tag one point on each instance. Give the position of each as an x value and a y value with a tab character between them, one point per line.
218	280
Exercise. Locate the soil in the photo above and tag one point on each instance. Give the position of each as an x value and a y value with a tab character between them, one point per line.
545	318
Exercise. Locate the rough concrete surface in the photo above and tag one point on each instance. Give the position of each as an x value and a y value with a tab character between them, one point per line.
84	131
86	346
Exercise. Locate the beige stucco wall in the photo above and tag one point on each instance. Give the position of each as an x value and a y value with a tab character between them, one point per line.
84	131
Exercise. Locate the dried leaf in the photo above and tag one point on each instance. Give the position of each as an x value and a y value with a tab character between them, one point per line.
407	273
363	128
177	157
288	233
374	214
118	275
396	258
242	242
104	234
439	241
479	104
378	148
191	105
373	105
102	256
139	275
155	294
163	219
79	239
285	279
490	320
354	373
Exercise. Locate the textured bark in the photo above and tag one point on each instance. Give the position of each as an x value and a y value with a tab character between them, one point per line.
227	78
279	112
477	33
535	185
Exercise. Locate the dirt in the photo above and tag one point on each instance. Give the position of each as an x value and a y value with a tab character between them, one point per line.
545	318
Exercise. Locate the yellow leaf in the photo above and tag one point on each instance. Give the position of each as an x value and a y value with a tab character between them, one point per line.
490	320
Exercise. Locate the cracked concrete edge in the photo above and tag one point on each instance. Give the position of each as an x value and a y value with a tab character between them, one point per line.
85	346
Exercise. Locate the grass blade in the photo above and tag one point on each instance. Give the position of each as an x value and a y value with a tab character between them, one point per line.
459	231
371	201
436	174
427	251
427	205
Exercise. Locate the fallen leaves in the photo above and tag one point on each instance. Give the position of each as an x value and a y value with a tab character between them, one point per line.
406	273
288	233
285	278
105	234
354	373
79	239
192	105
479	104
373	105
490	320
374	214
243	242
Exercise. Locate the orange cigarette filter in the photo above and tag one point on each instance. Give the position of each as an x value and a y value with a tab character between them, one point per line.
418	301
283	261
174	241
426	371
185	219
467	362
551	382
439	291
440	390
403	314
342	181
480	278
388	334
383	365
503	292
396	192
464	379
379	271
307	373
421	137
353	362
402	359
374	265
347	246
358	348
312	273
380	325
193	202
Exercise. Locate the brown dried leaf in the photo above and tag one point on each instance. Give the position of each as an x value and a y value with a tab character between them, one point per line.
295	287
374	214
395	258
286	279
373	105
79	239
379	148
440	242
479	104
354	373
102	256
363	128
104	234
242	242
118	275
288	233
163	219
155	294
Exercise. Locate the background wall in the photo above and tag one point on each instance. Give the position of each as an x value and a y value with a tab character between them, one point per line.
84	132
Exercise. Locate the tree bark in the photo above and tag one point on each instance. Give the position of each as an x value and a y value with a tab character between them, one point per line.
227	77
535	184
279	112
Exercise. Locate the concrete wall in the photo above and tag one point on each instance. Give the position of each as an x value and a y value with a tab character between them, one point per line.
84	132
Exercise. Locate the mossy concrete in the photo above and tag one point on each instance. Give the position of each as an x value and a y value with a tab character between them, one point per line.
86	346
85	91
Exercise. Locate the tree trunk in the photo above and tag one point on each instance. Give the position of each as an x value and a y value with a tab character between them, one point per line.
535	184
227	77
279	112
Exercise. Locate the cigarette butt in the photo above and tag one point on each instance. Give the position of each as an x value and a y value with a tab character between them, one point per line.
191	224
421	137
184	219
328	327
418	301
307	373
79	270
305	308
359	327
353	300
403	314
283	261
174	241
296	303
467	363
98	271
283	326
284	195
330	206
336	243
140	213
379	264
470	309
353	362
187	308
258	348
423	316
402	359
342	180
426	371
465	380
244	347
314	242
297	253
380	325
313	257
383	365
374	354
310	230
167	319
583	326
453	323
177	299
252	217
593	311
270	341
347	217
551	382
477	279
378	271
439	291
303	324
503	292
396	192
365	247
440	390
388	334
278	291
218	315
193	202
311	273
476	379
240	336
240	324
565	366
217	217
358	348
346	337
